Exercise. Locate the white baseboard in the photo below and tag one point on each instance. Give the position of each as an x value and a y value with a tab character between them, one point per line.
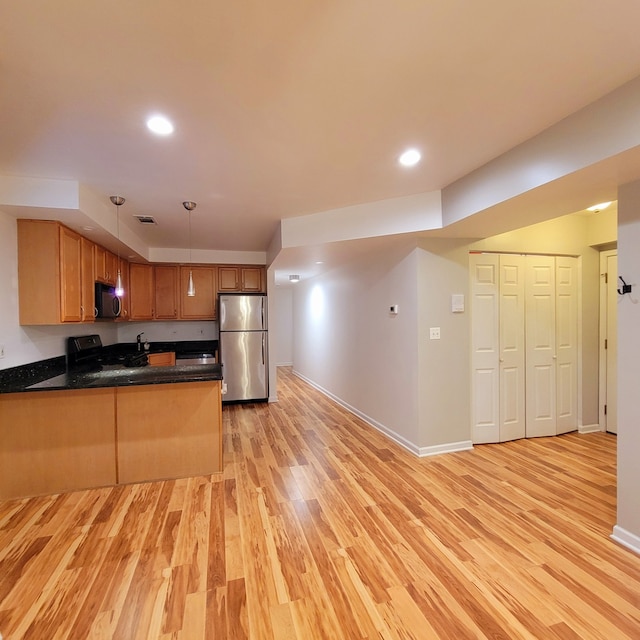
626	539
450	447
589	428
390	433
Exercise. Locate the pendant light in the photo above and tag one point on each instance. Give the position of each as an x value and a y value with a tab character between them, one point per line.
191	289
118	201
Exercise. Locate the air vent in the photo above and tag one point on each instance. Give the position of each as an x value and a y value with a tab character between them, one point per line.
145	220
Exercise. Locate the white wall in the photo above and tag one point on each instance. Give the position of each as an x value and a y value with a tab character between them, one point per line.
347	343
444	380
387	368
628	521
570	235
28	344
281	325
168	331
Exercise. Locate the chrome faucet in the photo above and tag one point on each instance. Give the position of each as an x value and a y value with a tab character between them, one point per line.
138	340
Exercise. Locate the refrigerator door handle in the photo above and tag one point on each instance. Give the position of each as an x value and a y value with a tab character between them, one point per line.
262	311
263	346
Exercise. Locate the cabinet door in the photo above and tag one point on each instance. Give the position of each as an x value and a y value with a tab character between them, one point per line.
166	292
228	279
100	263
252	279
141	297
202	306
87	279
126	296
111	267
70	271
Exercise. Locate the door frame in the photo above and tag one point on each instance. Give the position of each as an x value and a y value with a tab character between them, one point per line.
602	335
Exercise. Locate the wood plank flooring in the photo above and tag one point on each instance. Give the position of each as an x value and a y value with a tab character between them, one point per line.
321	528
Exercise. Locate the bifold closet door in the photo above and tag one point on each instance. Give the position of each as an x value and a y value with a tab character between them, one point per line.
551	345
540	323
498	382
566	344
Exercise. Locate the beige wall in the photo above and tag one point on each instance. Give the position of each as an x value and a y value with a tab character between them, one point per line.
571	235
628	521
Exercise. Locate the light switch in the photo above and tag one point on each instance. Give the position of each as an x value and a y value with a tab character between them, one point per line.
434	333
457	302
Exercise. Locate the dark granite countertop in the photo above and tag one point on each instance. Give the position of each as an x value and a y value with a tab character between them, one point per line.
53	373
116	376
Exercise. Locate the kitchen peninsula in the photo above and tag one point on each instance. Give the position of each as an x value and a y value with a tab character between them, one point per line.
81	429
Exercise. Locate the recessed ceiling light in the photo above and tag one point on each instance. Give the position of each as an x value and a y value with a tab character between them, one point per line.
598	207
88	228
160	125
294	278
319	262
410	158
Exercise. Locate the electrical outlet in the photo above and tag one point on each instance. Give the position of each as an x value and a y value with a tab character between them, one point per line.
434	333
1	351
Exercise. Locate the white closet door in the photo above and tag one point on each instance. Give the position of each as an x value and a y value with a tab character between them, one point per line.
540	333
485	369
512	348
566	344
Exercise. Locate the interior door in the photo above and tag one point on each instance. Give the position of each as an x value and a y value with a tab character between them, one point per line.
540	336
611	399
485	357
512	348
566	344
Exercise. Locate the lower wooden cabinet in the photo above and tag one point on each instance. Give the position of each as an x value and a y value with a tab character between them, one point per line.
55	441
166	359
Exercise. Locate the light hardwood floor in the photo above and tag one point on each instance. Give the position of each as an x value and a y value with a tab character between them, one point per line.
320	528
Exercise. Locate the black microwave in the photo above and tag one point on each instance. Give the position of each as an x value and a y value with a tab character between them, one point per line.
107	302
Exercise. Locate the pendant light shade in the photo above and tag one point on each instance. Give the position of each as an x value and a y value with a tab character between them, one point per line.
191	288
118	201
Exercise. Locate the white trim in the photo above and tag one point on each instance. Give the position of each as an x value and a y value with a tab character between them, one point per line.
626	539
389	433
450	447
589	428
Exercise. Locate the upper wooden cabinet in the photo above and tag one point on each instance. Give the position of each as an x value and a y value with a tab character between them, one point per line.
141	291
126	296
106	265
88	291
49	273
243	279
202	306
166	292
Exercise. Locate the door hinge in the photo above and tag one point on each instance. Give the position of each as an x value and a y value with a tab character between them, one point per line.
605	409
606	278
606	342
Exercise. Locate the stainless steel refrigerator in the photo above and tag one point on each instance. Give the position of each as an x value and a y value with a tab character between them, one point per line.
244	346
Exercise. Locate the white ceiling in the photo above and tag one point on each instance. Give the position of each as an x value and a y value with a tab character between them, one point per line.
290	107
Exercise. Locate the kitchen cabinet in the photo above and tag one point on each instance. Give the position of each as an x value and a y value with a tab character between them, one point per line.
202	306
106	265
66	440
166	359
141	291
56	441
126	296
87	280
245	279
49	273
169	431
166	292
